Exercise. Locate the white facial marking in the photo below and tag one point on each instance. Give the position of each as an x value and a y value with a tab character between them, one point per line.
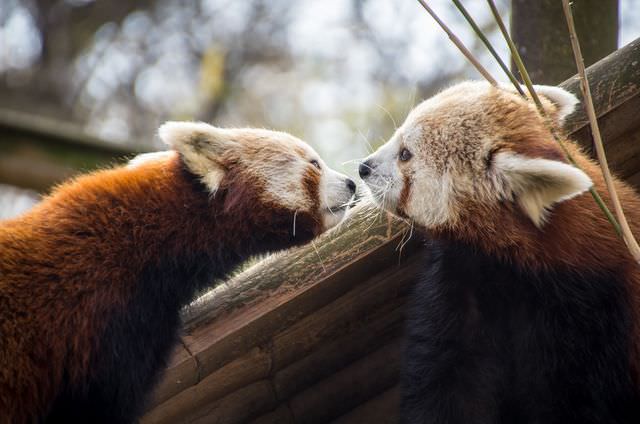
385	183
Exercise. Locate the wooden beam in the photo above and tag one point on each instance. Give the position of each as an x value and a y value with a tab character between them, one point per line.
614	82
37	152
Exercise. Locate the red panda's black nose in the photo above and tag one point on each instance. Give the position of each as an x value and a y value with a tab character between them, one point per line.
351	185
364	169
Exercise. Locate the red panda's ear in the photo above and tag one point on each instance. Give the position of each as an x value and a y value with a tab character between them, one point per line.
564	101
539	183
201	146
196	137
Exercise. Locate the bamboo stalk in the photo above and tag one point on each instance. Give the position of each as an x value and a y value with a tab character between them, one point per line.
627	235
488	45
527	80
459	44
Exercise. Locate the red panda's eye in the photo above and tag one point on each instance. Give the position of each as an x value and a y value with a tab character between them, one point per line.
315	163
405	155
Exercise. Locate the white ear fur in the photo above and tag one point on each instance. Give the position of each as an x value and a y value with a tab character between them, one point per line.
145	158
200	145
539	183
565	102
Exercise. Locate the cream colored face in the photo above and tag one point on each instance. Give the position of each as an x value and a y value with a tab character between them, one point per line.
473	143
285	171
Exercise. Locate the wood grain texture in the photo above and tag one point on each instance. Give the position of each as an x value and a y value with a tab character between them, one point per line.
380	410
613	81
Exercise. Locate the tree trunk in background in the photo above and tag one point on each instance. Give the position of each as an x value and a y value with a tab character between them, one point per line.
540	31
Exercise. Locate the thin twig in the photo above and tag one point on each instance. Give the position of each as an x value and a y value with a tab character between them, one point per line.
459	44
627	235
488	45
527	81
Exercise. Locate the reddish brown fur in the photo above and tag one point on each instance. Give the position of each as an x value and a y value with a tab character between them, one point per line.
311	183
71	262
404	196
577	235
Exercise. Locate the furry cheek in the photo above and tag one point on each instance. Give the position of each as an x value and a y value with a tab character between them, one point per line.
404	196
429	199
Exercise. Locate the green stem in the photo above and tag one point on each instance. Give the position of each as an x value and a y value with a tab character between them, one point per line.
455	40
488	45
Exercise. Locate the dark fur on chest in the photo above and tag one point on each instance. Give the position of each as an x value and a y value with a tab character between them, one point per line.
136	344
490	343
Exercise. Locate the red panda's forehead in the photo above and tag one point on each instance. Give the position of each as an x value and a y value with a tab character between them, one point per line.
270	146
518	127
453	130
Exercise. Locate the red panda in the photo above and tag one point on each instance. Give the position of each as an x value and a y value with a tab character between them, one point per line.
527	311
93	278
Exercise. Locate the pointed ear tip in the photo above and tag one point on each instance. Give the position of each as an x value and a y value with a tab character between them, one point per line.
585	184
564	100
169	132
172	132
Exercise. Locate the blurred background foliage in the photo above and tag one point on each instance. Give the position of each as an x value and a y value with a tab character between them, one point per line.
337	73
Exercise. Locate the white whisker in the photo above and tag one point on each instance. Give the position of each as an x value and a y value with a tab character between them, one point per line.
295	214
350	161
404	242
366	141
395	126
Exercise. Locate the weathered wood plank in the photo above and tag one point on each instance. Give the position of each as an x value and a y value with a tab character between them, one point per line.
238	407
181	373
334	319
242	372
281	415
383	409
348	387
613	80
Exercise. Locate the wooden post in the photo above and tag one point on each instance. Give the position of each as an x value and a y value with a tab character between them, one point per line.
540	32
